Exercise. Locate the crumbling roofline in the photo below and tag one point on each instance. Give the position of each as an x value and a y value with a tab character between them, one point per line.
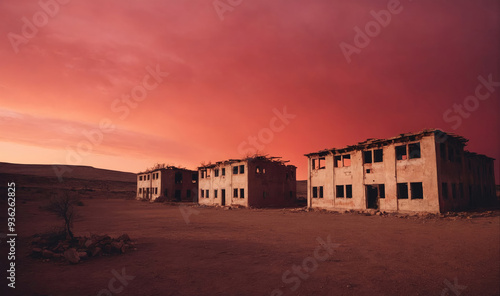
273	159
376	143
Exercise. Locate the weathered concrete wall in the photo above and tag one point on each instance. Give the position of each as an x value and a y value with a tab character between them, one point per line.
389	172
271	184
228	182
275	182
468	178
162	183
422	170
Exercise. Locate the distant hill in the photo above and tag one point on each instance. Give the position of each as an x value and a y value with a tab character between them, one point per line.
301	189
77	172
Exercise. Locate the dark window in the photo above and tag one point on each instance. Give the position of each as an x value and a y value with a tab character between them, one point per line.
348	191
177	194
148	177
235	192
337	161
340	190
444	188
451	153
188	193
156	190
140	178
178	178
315	192
242	169
442	150
414	150
378	155
346	159
264	194
202	174
313	164
321	163
367	156
215	193
291	194
207	193
417	191
402	190
166	193
381	191
453	191
235	170
216	172
223	171
320	191
401	152
242	193
461	190
140	190
194	178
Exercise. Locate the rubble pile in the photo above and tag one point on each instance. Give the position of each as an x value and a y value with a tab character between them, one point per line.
57	247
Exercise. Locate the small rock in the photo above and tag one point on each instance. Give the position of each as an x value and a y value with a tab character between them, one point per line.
47	254
72	256
108	248
96	252
82	255
89	243
124	237
117	246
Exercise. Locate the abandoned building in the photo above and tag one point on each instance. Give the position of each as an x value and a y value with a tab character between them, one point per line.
428	171
251	182
169	182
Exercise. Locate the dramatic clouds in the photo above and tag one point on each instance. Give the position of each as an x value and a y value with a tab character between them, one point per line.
80	63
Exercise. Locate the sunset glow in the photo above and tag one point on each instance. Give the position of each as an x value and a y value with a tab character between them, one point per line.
125	84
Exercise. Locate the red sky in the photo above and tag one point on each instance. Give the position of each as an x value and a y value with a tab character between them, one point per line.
227	76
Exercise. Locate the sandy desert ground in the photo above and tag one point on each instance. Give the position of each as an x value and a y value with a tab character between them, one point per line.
248	251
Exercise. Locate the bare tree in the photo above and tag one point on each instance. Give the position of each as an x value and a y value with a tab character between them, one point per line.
64	207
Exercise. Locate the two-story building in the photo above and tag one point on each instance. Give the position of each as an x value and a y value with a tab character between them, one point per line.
171	183
428	171
251	182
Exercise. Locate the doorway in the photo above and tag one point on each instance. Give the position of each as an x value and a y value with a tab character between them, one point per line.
372	201
223	197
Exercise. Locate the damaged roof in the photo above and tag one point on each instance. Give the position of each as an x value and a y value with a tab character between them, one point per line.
273	159
405	137
168	167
